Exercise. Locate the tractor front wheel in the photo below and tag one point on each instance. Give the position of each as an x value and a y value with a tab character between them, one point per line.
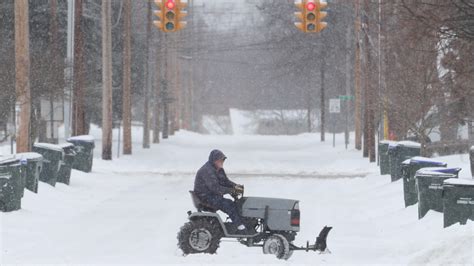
277	245
199	236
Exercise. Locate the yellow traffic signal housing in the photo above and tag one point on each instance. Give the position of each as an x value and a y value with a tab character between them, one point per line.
310	15
170	15
301	15
320	15
181	14
160	14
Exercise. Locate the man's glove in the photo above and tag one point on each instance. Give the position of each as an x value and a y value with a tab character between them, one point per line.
239	189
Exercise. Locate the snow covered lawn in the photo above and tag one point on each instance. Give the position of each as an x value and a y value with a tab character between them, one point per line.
129	210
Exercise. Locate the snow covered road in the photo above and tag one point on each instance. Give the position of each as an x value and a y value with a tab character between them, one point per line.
129	211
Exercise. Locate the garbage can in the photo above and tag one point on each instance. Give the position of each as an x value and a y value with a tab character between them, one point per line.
429	185
399	152
64	175
383	157
409	168
84	147
471	158
11	184
458	201
33	169
53	155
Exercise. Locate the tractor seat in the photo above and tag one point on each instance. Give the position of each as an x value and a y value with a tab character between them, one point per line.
200	206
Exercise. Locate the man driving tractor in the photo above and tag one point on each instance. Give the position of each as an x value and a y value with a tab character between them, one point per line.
211	184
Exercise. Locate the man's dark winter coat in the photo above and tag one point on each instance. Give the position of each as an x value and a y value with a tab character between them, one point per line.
211	182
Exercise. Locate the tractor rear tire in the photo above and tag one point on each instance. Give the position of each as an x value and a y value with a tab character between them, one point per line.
199	236
278	245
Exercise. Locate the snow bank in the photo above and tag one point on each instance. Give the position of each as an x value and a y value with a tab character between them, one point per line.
129	210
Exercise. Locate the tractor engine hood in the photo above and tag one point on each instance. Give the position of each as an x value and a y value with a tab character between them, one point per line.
278	214
258	203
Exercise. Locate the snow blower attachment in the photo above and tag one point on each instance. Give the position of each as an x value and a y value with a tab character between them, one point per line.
271	223
320	244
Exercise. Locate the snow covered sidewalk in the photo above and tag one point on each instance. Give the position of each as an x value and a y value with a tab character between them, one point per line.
128	211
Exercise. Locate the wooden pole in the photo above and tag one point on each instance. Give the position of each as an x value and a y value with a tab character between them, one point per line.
323	96
146	117
106	80
358	91
127	88
156	94
22	69
78	117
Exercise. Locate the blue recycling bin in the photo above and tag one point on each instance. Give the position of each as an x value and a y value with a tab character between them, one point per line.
429	184
409	169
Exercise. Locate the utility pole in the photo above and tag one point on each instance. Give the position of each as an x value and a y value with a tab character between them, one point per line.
146	117
348	85
193	39
157	91
171	86
78	127
179	89
106	80
366	88
357	81
127	88
323	96
68	77
165	92
369	130
54	68
22	76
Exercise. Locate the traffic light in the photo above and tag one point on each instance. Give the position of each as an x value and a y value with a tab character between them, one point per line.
180	14
320	15
159	13
310	15
301	15
170	15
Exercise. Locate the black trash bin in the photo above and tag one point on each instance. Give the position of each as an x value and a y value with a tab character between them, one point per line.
383	157
458	201
64	175
409	168
53	155
399	152
11	184
429	185
84	147
33	169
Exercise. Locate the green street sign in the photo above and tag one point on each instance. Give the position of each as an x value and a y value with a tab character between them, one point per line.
346	97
